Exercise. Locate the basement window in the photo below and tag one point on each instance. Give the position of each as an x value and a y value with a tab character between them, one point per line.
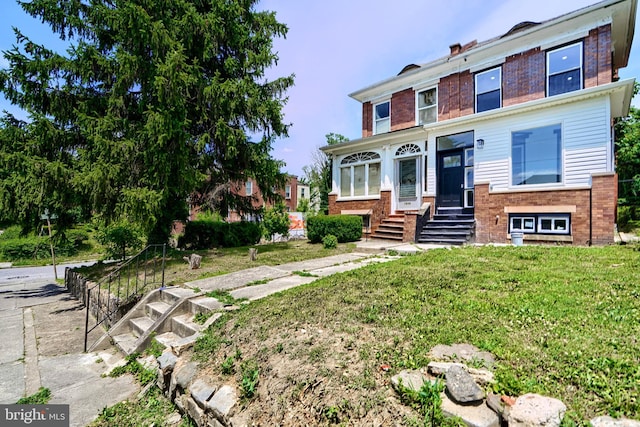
540	223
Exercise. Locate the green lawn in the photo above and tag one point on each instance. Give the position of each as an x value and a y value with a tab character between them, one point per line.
561	321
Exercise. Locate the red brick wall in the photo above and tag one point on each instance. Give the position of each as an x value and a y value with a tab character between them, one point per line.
597	57
367	119
403	109
381	208
455	96
492	222
523	77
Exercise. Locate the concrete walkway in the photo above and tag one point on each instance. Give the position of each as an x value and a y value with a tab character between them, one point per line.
42	329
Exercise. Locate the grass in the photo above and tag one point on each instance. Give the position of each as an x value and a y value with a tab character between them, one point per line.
41	397
561	321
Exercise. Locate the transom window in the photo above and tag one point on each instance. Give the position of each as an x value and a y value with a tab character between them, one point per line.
427	106
360	175
536	156
489	90
564	69
382	117
408	149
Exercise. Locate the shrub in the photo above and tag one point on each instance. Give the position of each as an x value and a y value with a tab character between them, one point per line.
117	237
276	221
210	234
330	241
346	228
31	247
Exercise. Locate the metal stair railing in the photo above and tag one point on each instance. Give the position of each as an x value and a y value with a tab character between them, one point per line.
122	288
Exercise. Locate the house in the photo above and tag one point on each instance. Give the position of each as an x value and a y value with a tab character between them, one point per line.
250	188
507	136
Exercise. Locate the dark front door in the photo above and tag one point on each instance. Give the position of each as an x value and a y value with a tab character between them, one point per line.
450	178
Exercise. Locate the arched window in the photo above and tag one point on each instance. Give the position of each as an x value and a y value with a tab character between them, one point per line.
408	149
360	175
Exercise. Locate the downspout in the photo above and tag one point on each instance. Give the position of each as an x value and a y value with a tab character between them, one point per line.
591	214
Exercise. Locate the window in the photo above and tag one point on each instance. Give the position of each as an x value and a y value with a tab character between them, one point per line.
489	90
382	117
302	196
536	156
564	69
540	223
360	175
248	188
427	106
468	178
287	192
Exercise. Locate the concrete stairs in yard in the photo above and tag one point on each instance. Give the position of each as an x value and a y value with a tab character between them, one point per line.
453	226
391	228
166	314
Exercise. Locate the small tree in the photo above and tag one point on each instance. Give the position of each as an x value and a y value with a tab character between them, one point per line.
276	221
303	206
318	174
119	236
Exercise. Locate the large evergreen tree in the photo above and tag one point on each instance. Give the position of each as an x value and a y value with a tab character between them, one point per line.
155	100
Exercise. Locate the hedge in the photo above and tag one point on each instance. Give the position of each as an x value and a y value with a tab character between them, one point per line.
346	228
206	234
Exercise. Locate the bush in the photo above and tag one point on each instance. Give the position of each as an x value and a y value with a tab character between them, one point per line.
276	221
627	215
118	237
31	247
210	234
346	228
330	241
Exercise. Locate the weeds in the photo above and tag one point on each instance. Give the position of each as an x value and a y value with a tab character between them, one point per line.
41	397
134	367
250	378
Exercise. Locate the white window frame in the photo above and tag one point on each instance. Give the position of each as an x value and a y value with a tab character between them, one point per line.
376	121
419	109
287	192
581	67
553	220
248	188
560	154
522	219
360	159
478	93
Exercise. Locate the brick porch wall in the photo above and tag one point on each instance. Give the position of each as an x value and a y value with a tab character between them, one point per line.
381	208
492	221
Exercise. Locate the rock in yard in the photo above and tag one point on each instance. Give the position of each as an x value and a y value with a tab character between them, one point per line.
223	402
533	410
479	415
412	380
461	386
607	421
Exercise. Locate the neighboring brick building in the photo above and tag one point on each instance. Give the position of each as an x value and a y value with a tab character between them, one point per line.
514	132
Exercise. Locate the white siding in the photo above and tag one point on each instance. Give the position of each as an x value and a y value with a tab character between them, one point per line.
585	141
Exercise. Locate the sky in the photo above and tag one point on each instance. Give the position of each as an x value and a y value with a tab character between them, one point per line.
335	47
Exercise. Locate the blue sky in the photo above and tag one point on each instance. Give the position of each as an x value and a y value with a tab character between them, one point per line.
335	47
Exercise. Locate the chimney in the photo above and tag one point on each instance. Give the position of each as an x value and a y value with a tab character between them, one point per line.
455	49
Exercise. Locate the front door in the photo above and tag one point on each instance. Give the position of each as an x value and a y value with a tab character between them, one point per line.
408	187
450	178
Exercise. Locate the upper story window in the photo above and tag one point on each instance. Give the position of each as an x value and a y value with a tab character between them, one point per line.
536	156
248	188
427	106
382	117
564	69
302	193
287	192
489	90
360	175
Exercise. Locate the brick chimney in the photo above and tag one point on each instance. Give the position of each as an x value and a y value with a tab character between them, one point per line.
455	49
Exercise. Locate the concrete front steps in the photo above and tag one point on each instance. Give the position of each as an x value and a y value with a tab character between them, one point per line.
391	228
166	314
449	227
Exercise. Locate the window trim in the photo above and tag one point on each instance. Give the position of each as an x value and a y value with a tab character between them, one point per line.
287	192
536	219
360	159
478	93
376	121
434	106
560	159
248	188
580	67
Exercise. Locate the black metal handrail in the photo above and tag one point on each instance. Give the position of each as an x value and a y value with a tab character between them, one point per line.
123	287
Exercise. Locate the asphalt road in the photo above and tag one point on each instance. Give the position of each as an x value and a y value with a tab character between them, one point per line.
30	274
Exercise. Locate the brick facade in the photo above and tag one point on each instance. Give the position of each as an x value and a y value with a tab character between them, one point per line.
367	119
597	57
591	223
403	109
456	96
523	77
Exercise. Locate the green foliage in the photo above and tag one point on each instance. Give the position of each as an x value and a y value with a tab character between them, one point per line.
304	205
628	157
250	378
210	234
152	102
30	247
155	348
41	397
118	237
428	402
134	367
330	241
276	221
347	228
628	217
318	174
207	215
